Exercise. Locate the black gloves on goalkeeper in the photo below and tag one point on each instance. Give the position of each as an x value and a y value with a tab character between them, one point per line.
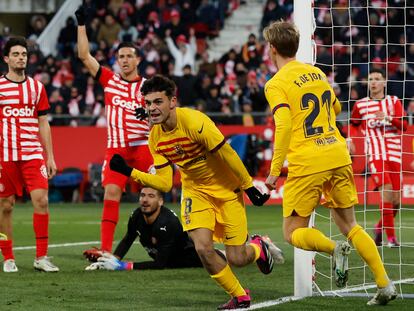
81	15
141	113
256	196
119	165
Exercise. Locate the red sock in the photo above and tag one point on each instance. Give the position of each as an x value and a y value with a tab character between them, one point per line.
388	220
110	216
6	247
396	209
41	230
379	224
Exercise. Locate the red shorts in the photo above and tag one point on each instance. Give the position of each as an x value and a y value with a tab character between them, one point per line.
386	172
137	157
15	175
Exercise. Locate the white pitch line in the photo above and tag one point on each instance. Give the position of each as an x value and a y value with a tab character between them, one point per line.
19	248
287	299
275	302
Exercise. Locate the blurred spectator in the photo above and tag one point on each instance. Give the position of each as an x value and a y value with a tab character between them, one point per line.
188	16
272	12
153	25
92	30
128	32
213	103
184	54
251	45
208	15
58	118
175	27
205	66
67	38
37	25
254	93
55	99
186	88
109	30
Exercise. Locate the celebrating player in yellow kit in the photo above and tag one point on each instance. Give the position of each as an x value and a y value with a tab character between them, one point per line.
305	108
213	180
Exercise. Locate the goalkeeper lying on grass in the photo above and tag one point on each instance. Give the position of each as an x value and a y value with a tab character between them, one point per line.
161	234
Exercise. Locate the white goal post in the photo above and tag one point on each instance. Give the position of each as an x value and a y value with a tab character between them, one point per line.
398	262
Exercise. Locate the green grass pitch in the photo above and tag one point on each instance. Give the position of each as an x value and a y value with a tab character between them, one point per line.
73	288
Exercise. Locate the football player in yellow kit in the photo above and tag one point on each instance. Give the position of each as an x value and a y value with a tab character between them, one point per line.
305	108
213	180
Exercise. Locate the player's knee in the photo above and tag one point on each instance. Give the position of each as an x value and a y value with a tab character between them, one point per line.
237	260
41	202
113	193
7	205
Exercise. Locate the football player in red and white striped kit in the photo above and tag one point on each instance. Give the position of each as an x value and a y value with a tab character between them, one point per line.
380	118
127	135
24	129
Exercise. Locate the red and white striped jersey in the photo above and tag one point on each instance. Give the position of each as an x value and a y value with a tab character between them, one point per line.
383	137
121	99
21	103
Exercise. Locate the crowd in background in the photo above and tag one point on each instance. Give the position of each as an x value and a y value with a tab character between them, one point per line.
172	37
388	44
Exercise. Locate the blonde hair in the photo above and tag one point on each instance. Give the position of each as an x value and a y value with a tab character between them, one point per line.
284	36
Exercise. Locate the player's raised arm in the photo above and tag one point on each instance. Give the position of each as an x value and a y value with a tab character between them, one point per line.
83	44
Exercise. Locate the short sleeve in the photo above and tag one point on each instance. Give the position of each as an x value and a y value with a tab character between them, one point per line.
104	75
43	103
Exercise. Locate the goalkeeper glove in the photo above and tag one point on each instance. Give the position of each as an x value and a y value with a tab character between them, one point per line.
119	165
141	113
256	196
81	15
110	262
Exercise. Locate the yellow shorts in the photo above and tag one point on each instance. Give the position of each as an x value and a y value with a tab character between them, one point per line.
303	193
226	219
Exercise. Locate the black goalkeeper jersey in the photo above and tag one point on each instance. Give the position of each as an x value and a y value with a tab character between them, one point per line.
164	240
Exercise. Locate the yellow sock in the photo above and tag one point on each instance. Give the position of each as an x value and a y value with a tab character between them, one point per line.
257	251
366	248
311	239
228	281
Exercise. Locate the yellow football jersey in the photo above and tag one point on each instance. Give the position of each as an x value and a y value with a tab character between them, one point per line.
191	147
316	144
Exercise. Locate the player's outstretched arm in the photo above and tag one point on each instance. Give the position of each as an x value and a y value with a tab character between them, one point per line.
83	43
161	181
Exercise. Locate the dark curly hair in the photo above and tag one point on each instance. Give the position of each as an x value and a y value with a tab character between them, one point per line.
159	83
13	41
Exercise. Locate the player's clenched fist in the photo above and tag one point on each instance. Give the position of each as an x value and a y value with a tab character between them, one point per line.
81	15
256	196
119	165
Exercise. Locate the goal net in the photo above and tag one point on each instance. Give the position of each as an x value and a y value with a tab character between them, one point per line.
348	38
